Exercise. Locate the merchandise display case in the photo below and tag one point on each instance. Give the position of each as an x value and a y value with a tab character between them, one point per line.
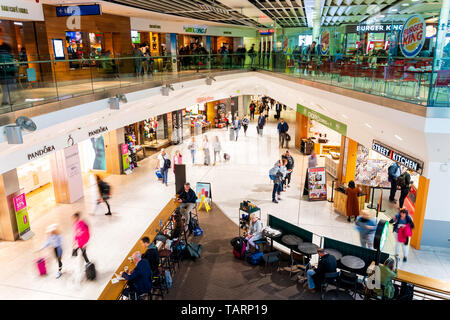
34	175
331	165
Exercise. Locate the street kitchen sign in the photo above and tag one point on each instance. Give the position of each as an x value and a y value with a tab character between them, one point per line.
398	156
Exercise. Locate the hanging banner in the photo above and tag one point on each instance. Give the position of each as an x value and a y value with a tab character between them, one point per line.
326	121
20	208
317	184
412	37
325	42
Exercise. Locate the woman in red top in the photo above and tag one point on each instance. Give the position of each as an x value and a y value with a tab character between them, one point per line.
352	200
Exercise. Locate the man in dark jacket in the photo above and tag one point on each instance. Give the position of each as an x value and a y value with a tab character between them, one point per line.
327	263
151	254
393	174
187	198
252	108
278	108
289	166
261	123
283	128
104	190
139	279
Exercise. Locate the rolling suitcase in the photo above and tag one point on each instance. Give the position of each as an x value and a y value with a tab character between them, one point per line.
90	271
226	156
41	266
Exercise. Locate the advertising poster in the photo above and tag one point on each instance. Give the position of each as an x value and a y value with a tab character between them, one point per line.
98	145
325	42
20	207
203	189
125	157
317	184
412	37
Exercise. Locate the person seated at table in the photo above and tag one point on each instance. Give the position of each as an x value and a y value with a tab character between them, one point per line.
327	263
187	198
254	232
151	254
388	271
139	279
177	229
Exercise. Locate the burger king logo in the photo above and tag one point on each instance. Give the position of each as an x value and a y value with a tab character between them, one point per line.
325	42
412	37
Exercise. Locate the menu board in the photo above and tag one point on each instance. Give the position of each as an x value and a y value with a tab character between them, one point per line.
317	184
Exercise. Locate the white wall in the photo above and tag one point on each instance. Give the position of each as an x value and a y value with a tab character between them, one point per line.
438	193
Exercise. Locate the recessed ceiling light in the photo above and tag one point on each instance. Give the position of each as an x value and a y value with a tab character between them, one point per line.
344	116
368	125
405	4
394	10
415	0
382	16
398	137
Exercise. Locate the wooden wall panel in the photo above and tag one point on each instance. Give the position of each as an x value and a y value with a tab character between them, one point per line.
419	211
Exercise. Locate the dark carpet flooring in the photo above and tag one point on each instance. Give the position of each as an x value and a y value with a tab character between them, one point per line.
219	275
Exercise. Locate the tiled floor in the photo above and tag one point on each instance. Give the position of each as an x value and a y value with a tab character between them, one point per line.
138	198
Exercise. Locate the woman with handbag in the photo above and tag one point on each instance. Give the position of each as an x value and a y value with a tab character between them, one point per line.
403	226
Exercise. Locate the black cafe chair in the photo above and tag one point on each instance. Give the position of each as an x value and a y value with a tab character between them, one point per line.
331	278
349	281
270	259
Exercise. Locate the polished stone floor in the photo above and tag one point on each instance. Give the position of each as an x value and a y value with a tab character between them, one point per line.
138	198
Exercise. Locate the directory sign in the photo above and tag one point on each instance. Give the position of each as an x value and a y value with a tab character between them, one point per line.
317	184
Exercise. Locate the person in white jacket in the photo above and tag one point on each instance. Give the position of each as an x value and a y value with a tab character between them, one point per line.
217	148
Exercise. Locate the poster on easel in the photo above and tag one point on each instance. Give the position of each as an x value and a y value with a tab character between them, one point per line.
317	184
203	192
23	221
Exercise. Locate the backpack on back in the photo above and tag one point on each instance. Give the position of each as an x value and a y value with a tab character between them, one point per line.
167	163
402	180
392	170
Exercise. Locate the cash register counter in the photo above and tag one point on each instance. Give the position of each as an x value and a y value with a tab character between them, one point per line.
340	201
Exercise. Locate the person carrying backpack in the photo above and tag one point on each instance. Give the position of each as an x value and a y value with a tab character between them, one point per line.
404	181
104	189
164	165
276	175
393	174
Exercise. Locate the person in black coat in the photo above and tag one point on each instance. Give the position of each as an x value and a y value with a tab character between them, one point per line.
151	254
261	123
327	263
104	189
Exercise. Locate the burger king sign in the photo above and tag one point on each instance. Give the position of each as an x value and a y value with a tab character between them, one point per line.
413	36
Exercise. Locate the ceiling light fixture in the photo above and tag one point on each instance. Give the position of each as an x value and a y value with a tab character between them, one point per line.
344	116
405	4
398	137
394	10
368	125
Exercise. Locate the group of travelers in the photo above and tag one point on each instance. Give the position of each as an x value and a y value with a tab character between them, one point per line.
205	146
280	174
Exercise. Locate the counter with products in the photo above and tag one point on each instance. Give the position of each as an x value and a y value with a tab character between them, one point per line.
340	201
332	164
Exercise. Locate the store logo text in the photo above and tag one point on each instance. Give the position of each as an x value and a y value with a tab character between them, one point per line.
44	150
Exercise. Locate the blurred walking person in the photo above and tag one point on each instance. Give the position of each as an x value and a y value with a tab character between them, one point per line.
81	236
366	225
104	190
237	126
205	146
192	146
217	148
177	159
54	241
245	123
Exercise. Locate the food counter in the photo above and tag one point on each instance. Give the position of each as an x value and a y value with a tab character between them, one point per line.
340	201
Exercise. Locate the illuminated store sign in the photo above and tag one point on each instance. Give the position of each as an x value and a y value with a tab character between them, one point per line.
373	28
266	32
413	35
397	156
195	29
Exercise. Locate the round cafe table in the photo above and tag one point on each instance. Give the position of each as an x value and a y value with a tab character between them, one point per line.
308	248
334	253
291	240
353	262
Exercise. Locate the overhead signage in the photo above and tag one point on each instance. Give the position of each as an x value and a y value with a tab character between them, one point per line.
154	26
266	32
41	152
204	99
326	121
21	10
398	156
317	184
20	208
195	29
81	10
100	130
325	42
373	28
412	37
227	32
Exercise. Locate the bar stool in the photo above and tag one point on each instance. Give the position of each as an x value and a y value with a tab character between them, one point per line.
166	261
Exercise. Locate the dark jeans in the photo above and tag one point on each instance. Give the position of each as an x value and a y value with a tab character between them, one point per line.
252	115
288	178
393	190
83	252
59	259
275	190
403	193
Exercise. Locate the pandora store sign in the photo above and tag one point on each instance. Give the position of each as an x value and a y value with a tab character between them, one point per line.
397	156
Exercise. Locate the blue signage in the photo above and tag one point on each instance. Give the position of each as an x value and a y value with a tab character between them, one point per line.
81	10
